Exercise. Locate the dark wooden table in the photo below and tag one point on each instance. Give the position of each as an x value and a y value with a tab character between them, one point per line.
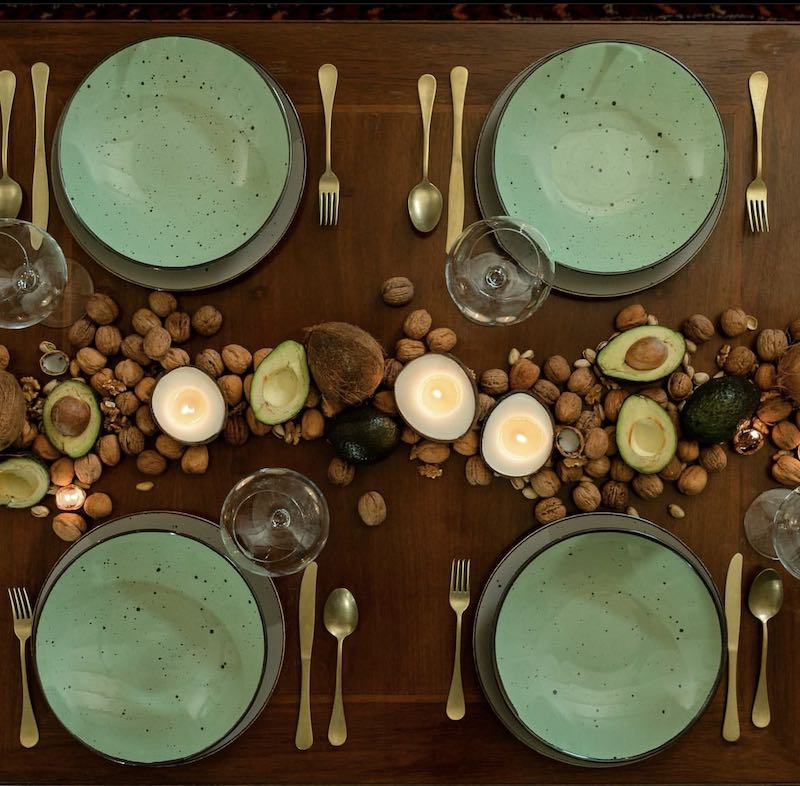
398	666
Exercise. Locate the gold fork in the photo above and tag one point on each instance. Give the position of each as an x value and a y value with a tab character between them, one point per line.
21	610
459	600
757	190
328	183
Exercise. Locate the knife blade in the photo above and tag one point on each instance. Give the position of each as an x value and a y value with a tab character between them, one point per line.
304	736
40	196
455	191
733	616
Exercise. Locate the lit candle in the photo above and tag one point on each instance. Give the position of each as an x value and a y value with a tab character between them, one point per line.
70	497
517	437
436	397
188	406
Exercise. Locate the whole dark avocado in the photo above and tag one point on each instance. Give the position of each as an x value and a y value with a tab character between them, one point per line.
715	410
363	435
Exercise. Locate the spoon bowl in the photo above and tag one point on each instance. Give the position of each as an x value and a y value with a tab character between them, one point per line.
425	206
10	197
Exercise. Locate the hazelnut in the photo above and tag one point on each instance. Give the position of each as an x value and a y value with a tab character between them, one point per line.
673	469
615	495
207	320
90	361
236	358
494	381
162	303
397	291
131	440
168	447
621	471
391	370
101	309
232	389
43	448
129	372
698	328
132	347
150	462
178	326
441	340
468	444
546	391
69	526
545	483
408	349
766	376
557	369
598	468
739	362
679	386
194	461
384	401
98	505
175	358
236	431
523	375
478	474
549	510
257	428
62	471
613	403
127	403
157	342
774	411
340	473
786	471
108	340
586	497
733	322
81	333
595	443
485	405
417	324
648	486
108	450
372	509
693	480
210	361
88	468
144	320
631	316
687	450
714	459
430	452
771	344
568	407
312	424
70	415
145	421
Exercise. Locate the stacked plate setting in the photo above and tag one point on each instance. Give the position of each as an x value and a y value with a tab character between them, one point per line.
616	153
178	163
599	639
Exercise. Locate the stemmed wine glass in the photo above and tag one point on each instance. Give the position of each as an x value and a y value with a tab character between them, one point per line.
772	526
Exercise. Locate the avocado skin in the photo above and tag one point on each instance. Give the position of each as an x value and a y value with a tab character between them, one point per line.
714	411
363	435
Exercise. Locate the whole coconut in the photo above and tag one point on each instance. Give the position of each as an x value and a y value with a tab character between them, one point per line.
12	409
345	361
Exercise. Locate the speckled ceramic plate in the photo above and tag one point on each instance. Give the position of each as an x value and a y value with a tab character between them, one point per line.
149	644
174	151
579	697
614	151
568	280
222	270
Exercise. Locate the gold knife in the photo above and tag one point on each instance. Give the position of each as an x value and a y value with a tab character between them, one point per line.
733	615
304	736
455	191
40	196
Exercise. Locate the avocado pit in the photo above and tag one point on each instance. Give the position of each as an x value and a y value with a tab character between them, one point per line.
646	353
70	416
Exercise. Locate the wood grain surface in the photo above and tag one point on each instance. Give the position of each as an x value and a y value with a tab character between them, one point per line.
398	662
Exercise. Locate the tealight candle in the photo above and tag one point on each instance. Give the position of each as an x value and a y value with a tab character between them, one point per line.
517	437
436	397
70	497
188	406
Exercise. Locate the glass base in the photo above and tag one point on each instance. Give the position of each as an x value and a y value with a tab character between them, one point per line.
72	305
759	521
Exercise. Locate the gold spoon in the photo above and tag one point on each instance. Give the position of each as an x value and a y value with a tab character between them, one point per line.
765	600
341	618
10	190
425	200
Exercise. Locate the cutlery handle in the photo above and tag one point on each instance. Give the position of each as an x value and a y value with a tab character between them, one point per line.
759	82
8	84
304	736
40	197
28	730
328	78
456	708
426	87
337	729
761	714
730	726
455	191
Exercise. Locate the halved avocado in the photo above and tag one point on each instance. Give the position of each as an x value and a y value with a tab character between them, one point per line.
23	482
363	435
642	354
280	384
714	411
646	437
71	418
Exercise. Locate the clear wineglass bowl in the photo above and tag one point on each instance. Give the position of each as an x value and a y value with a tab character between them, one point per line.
274	522
786	532
33	274
499	271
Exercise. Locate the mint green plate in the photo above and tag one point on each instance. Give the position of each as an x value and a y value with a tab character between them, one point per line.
174	151
614	151
149	645
608	645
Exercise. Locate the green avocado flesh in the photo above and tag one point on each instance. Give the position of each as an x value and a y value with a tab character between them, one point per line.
714	411
364	435
79	444
613	359
23	482
646	437
280	384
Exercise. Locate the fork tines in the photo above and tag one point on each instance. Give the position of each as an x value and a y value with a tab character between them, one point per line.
20	603
459	575
328	208
757	213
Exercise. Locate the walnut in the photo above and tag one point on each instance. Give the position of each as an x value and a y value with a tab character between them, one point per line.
236	358
168	447
598	468
468	444
687	451
595	443
740	361
621	471
774	411
494	381
794	329
131	441
108	340
631	316
397	291
194	461
478	474
150	462
659	395
523	375
82	333
178	326
408	349
207	320
431	471
210	361
615	495
430	452
69	526
673	469
257	428
145	421
384	401
156	343
545	483
785	435
391	370
441	340
546	391
175	358
611	431
586	497
127	402
340	473
5	357
786	471
580	380
409	436
43	448
90	360
108	450
692	480
766	376
98	505
162	303
372	509
557	369
570	470
231	387
144	320
698	328
417	324
568	407
771	344
88	468
733	322
485	405
549	510
129	372
613	403
62	471
587	420
101	309
132	347
714	459
648	486
679	386
312	424
236	431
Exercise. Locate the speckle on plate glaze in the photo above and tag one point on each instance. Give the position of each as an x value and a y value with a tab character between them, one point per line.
150	647
174	151
607	645
614	151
